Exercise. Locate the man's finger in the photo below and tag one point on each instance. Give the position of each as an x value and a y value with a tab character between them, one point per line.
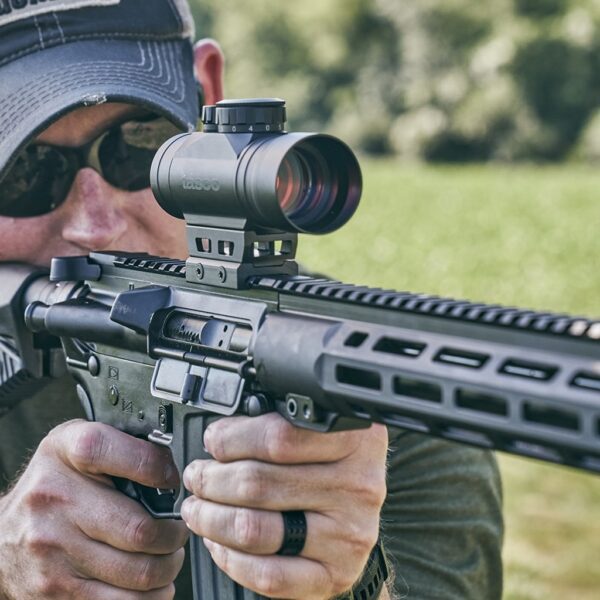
126	570
123	523
276	576
270	438
276	487
258	531
97	449
91	589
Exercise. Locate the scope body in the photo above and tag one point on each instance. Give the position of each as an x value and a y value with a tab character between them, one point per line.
240	178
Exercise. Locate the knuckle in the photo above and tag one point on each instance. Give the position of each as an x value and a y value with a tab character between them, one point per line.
199	478
154	573
378	493
50	585
175	534
141	532
43	494
60	433
280	440
252	484
270	579
371	488
247	528
145	575
372	536
89	446
216	442
40	543
360	540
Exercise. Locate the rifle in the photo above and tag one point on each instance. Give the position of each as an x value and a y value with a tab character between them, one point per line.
160	347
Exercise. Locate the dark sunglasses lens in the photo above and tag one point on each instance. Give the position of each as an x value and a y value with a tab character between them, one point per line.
37	183
126	153
125	166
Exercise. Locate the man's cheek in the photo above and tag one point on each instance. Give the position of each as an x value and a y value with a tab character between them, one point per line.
27	240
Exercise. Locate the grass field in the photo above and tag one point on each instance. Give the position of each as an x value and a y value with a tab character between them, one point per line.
528	236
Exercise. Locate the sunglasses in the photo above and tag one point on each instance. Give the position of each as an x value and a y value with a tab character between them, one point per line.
42	175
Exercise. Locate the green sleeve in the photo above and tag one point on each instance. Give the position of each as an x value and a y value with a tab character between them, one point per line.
24	427
442	520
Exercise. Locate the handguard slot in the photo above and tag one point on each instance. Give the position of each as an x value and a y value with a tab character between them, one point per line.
362	378
418	389
528	370
550	417
398	347
586	381
481	402
461	358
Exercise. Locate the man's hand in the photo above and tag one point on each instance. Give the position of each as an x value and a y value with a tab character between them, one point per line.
66	532
263	466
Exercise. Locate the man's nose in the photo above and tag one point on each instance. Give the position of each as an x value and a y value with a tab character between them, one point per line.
92	217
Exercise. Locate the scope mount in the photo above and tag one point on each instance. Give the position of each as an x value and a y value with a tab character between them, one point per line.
229	257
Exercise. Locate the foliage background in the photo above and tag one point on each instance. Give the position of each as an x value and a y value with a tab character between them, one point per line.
502	81
440	80
464	232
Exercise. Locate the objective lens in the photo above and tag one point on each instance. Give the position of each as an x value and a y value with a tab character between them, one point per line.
307	189
293	182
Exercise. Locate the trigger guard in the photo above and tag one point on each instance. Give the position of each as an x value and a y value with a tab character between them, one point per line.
159	505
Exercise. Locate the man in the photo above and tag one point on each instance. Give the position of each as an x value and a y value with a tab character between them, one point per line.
86	86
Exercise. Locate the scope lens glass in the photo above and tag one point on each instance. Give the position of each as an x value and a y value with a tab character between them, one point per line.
306	187
293	182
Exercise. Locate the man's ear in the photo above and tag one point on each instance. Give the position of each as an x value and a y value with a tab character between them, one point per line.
209	64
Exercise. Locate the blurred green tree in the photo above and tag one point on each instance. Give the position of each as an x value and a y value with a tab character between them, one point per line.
440	80
558	81
540	8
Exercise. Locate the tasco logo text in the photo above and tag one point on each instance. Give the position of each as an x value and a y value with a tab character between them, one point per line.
201	185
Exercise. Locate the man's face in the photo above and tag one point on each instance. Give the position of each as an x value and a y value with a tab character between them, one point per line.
95	215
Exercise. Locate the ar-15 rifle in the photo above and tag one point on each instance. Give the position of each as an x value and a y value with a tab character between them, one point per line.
159	347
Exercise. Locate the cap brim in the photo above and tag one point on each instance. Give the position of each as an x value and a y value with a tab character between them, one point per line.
37	89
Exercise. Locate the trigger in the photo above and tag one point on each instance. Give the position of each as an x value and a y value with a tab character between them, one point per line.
162	439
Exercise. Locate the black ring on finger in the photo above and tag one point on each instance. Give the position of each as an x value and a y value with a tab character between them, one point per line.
294	532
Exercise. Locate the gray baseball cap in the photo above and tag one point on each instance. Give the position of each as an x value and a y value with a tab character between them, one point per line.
57	55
